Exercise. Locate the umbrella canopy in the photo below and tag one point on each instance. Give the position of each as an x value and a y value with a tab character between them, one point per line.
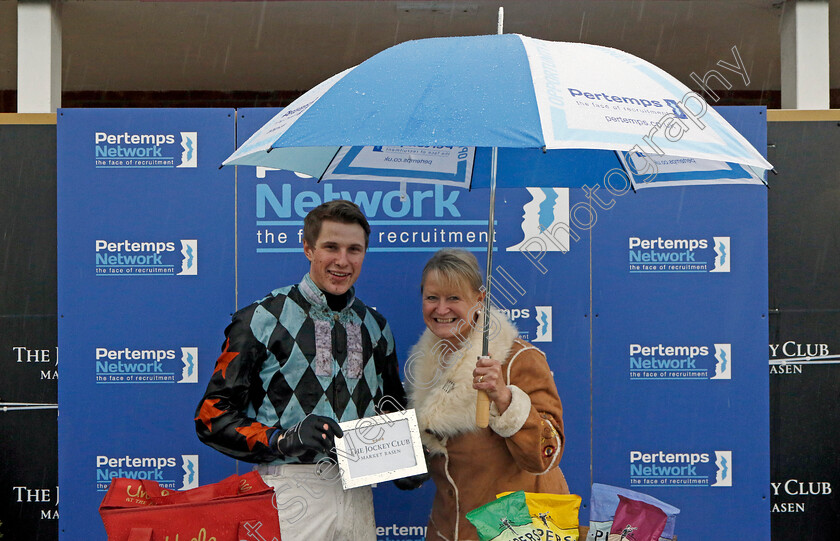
507	91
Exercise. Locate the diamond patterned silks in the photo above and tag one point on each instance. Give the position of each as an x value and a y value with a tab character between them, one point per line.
297	357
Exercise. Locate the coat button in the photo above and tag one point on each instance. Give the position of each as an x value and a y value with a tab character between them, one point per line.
451	493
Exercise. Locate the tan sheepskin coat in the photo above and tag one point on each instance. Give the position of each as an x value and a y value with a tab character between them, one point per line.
520	449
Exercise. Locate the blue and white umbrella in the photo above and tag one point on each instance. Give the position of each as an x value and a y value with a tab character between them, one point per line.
421	98
508	91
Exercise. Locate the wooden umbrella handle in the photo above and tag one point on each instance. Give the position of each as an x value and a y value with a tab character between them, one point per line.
482	401
482	410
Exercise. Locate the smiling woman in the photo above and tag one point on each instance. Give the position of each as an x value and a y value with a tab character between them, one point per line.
452	297
522	445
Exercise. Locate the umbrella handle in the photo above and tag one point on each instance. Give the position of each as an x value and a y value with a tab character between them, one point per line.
482	410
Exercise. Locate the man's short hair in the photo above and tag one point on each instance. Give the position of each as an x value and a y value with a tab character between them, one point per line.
337	210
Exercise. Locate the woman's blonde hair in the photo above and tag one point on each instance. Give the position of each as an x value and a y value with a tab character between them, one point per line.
455	268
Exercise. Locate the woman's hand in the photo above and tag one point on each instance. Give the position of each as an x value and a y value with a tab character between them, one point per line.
487	377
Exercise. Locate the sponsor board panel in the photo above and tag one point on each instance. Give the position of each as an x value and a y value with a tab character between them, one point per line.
804	368
30	495
28	355
679	393
542	281
27	276
551	269
804	339
137	223
803	204
28	360
446	202
28	411
28	421
686	363
146	268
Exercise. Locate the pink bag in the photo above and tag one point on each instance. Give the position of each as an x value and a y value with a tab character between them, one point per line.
637	521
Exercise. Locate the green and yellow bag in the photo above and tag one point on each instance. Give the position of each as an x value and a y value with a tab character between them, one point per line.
554	516
504	519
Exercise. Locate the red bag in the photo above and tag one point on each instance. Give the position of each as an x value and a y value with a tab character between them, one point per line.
239	508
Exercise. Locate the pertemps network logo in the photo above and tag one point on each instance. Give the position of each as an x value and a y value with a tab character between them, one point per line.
189	466
723	364
189	146
144	258
172	472
140	366
681	256
723	475
533	322
146	150
722	254
680	361
545	221
660	468
543	317
189	264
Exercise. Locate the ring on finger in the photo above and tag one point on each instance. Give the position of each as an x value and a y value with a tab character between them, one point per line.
481	378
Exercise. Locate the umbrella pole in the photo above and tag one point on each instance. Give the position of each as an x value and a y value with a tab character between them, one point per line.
482	404
489	269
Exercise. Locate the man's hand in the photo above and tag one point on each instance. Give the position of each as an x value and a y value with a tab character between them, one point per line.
315	433
415	481
410	483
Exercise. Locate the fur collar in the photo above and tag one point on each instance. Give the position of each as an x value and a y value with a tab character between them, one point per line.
429	374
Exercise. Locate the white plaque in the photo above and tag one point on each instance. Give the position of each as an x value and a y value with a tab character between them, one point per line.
378	449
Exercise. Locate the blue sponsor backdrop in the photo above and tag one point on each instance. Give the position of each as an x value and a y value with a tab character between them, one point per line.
685	424
125	312
575	297
399	247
